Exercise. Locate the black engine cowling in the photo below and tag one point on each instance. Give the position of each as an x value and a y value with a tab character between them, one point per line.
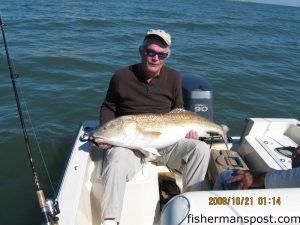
198	95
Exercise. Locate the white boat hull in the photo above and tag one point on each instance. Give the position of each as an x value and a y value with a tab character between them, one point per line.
79	195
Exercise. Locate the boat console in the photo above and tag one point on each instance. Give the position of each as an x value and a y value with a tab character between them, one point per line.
267	143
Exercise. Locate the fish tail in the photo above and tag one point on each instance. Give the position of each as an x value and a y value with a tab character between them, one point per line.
225	129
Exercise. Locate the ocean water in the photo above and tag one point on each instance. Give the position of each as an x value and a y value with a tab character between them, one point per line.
65	52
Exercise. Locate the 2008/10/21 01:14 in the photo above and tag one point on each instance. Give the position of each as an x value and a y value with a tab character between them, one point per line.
244	201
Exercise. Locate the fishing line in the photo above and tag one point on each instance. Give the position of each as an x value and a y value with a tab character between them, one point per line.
16	75
36	140
48	208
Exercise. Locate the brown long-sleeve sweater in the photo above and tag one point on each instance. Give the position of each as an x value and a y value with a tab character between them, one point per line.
130	93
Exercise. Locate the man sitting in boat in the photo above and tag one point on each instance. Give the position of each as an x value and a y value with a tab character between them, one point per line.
147	87
244	179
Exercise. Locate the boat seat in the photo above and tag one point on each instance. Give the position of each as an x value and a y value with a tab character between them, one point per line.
141	200
141	193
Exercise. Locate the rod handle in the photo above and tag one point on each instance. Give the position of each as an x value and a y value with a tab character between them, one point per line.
41	198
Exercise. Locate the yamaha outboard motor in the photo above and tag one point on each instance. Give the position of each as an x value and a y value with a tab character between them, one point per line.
198	95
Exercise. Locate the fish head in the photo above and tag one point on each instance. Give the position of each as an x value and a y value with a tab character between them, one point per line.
118	130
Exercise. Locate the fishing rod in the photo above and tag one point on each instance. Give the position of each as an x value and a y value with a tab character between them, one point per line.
48	207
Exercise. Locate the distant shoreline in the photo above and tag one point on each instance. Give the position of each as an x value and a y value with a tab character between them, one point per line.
294	3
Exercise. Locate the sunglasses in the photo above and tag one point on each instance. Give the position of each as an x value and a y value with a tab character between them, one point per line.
152	53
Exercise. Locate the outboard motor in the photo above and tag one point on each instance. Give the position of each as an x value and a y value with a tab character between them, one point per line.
198	95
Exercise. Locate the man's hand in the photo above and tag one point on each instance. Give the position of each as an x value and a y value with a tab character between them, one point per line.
296	153
192	135
248	179
103	146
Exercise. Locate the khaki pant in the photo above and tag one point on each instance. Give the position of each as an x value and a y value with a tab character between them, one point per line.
187	156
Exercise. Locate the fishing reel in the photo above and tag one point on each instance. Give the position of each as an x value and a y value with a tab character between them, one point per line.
52	210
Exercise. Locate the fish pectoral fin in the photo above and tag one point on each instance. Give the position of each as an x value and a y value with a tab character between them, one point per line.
150	150
151	135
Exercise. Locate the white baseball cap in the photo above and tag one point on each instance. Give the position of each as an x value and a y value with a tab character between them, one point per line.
160	33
